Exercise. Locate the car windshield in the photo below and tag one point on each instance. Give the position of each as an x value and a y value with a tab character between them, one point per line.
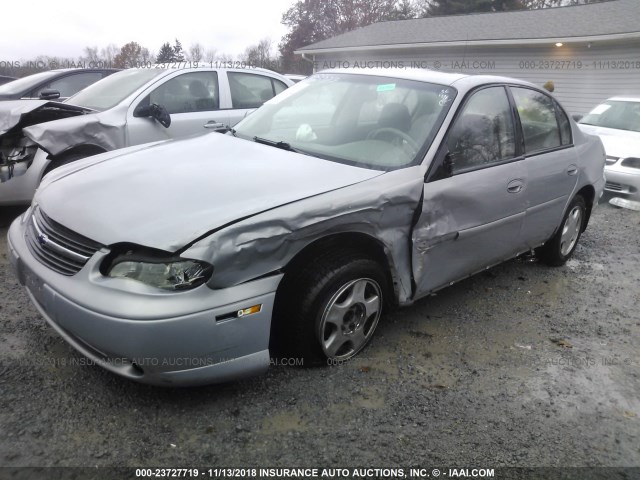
619	114
373	122
25	83
110	91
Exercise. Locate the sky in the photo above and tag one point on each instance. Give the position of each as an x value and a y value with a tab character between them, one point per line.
64	28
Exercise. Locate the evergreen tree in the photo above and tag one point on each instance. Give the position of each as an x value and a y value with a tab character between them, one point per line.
455	7
166	54
178	54
431	8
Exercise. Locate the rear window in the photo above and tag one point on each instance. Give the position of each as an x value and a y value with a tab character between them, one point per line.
538	119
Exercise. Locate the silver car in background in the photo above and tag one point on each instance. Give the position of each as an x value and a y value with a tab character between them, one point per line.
194	261
128	108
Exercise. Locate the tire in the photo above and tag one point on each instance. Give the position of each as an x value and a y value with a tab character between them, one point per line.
328	311
64	161
557	250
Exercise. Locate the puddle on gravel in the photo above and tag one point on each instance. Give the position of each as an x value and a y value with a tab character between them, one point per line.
590	379
283	423
12	346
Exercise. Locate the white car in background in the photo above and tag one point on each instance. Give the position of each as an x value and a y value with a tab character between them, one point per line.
617	123
128	108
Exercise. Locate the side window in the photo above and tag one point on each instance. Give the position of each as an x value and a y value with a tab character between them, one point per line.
189	92
565	125
249	90
72	84
483	134
278	86
538	119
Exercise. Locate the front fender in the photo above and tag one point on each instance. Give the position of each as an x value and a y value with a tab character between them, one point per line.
102	130
381	208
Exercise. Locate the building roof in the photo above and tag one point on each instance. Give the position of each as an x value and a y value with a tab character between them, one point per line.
605	20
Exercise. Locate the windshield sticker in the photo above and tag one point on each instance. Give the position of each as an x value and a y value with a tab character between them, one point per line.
387	87
600	109
444	97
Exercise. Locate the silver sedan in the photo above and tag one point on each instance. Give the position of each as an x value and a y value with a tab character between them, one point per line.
199	260
131	107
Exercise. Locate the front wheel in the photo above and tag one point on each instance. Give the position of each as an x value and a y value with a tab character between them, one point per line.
561	246
329	310
67	159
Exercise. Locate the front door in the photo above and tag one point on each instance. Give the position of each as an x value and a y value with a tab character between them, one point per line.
193	101
472	218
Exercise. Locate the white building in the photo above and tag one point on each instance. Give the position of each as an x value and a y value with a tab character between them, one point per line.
589	52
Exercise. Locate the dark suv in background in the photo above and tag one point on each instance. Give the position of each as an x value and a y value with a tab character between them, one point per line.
52	84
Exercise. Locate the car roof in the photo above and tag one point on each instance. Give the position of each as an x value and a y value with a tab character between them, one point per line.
465	81
66	70
178	66
625	99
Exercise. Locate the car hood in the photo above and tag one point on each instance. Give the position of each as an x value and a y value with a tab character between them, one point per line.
167	195
617	143
18	114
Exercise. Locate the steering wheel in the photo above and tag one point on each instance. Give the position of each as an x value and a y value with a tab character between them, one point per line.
399	133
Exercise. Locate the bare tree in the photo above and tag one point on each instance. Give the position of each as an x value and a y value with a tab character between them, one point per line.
259	55
196	52
130	55
109	53
211	55
146	56
224	57
91	55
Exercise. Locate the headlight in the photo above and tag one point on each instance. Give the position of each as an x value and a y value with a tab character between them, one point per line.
168	274
631	162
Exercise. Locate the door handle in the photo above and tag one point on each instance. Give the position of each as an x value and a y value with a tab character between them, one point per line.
572	170
515	186
213	124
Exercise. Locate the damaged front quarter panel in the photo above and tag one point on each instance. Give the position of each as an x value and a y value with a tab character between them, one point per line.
382	208
104	130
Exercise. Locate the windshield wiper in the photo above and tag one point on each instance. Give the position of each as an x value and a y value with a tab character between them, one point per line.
278	144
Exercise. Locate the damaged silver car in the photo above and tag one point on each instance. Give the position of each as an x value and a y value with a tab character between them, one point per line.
197	260
127	108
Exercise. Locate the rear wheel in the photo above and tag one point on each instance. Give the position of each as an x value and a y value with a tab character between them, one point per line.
329	309
561	246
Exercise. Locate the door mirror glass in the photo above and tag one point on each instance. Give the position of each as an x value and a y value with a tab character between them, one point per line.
49	94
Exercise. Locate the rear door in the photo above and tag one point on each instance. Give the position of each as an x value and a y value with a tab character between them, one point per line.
550	161
248	91
191	98
472	218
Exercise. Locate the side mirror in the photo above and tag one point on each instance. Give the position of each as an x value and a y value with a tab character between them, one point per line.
444	163
577	117
155	111
49	94
447	164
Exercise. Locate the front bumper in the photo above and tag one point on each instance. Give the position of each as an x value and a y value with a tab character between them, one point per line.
623	180
20	190
160	338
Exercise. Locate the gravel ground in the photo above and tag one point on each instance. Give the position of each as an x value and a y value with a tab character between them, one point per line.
524	365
